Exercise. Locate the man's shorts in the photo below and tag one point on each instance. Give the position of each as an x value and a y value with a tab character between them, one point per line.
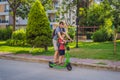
55	44
61	52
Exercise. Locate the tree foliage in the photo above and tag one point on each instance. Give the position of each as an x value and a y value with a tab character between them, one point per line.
97	14
38	28
24	8
14	4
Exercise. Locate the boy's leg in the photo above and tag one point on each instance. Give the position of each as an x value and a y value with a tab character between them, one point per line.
60	59
63	56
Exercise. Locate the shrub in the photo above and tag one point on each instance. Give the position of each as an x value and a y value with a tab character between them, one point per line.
102	35
5	33
118	29
13	42
89	35
19	35
18	38
71	31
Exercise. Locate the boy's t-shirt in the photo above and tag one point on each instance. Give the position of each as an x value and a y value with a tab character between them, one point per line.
61	44
58	29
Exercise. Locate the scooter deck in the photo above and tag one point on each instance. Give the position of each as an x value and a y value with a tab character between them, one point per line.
56	65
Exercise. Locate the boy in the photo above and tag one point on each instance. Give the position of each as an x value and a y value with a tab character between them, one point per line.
61	48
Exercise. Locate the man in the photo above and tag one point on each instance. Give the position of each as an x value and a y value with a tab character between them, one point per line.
57	35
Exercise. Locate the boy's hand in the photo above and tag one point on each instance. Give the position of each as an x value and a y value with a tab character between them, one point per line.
64	41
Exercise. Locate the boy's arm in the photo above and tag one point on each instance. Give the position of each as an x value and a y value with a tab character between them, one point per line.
61	41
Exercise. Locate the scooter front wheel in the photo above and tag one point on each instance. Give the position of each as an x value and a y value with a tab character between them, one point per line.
69	67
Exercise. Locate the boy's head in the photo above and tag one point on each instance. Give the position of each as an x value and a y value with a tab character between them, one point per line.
62	34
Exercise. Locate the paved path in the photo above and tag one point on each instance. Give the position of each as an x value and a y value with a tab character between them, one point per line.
92	63
18	70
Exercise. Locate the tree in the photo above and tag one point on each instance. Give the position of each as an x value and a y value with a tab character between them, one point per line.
98	14
116	19
70	7
38	30
14	4
24	8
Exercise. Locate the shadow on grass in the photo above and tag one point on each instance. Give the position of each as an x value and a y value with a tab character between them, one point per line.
3	43
34	53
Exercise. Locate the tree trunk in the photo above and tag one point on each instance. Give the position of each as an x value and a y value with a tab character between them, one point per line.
46	48
115	36
14	19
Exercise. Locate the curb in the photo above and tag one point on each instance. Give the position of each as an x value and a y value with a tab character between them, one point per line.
98	67
82	65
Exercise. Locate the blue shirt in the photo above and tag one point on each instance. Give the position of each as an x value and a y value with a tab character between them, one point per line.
58	29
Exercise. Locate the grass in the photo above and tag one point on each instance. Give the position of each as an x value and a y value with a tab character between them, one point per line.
24	49
92	50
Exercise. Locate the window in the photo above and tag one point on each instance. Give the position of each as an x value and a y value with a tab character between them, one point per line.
6	8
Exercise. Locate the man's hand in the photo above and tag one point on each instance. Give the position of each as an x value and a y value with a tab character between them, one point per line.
71	40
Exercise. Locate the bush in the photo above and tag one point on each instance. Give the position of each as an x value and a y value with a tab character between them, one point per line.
18	38
89	35
5	33
118	29
13	42
19	35
102	35
71	32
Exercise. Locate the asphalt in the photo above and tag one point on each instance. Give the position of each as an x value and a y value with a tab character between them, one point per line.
87	63
20	70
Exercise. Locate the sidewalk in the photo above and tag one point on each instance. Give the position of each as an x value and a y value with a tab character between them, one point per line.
85	63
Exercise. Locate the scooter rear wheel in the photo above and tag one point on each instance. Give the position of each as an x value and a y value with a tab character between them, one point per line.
69	67
50	64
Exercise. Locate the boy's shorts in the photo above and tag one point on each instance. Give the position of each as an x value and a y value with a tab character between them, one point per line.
61	52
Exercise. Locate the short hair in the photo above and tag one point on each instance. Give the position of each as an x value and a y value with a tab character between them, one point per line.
61	22
62	33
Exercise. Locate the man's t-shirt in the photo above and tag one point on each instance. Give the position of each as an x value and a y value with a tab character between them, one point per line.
58	29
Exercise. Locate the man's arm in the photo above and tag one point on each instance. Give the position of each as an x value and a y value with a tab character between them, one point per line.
61	41
68	36
59	35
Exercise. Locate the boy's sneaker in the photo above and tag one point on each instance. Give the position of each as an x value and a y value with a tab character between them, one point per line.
61	64
56	62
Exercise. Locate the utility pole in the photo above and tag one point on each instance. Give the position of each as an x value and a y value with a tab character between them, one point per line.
77	23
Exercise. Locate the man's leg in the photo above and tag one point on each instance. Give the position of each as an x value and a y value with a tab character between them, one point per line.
56	56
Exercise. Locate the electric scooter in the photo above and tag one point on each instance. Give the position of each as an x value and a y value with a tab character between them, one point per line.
67	60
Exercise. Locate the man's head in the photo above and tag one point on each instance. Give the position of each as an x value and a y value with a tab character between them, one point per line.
61	24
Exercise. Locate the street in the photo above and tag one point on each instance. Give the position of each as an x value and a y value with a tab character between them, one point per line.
18	70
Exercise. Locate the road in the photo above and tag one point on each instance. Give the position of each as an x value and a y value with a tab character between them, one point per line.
18	70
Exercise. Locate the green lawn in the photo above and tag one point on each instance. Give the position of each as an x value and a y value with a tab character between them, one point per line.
96	51
24	49
92	50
